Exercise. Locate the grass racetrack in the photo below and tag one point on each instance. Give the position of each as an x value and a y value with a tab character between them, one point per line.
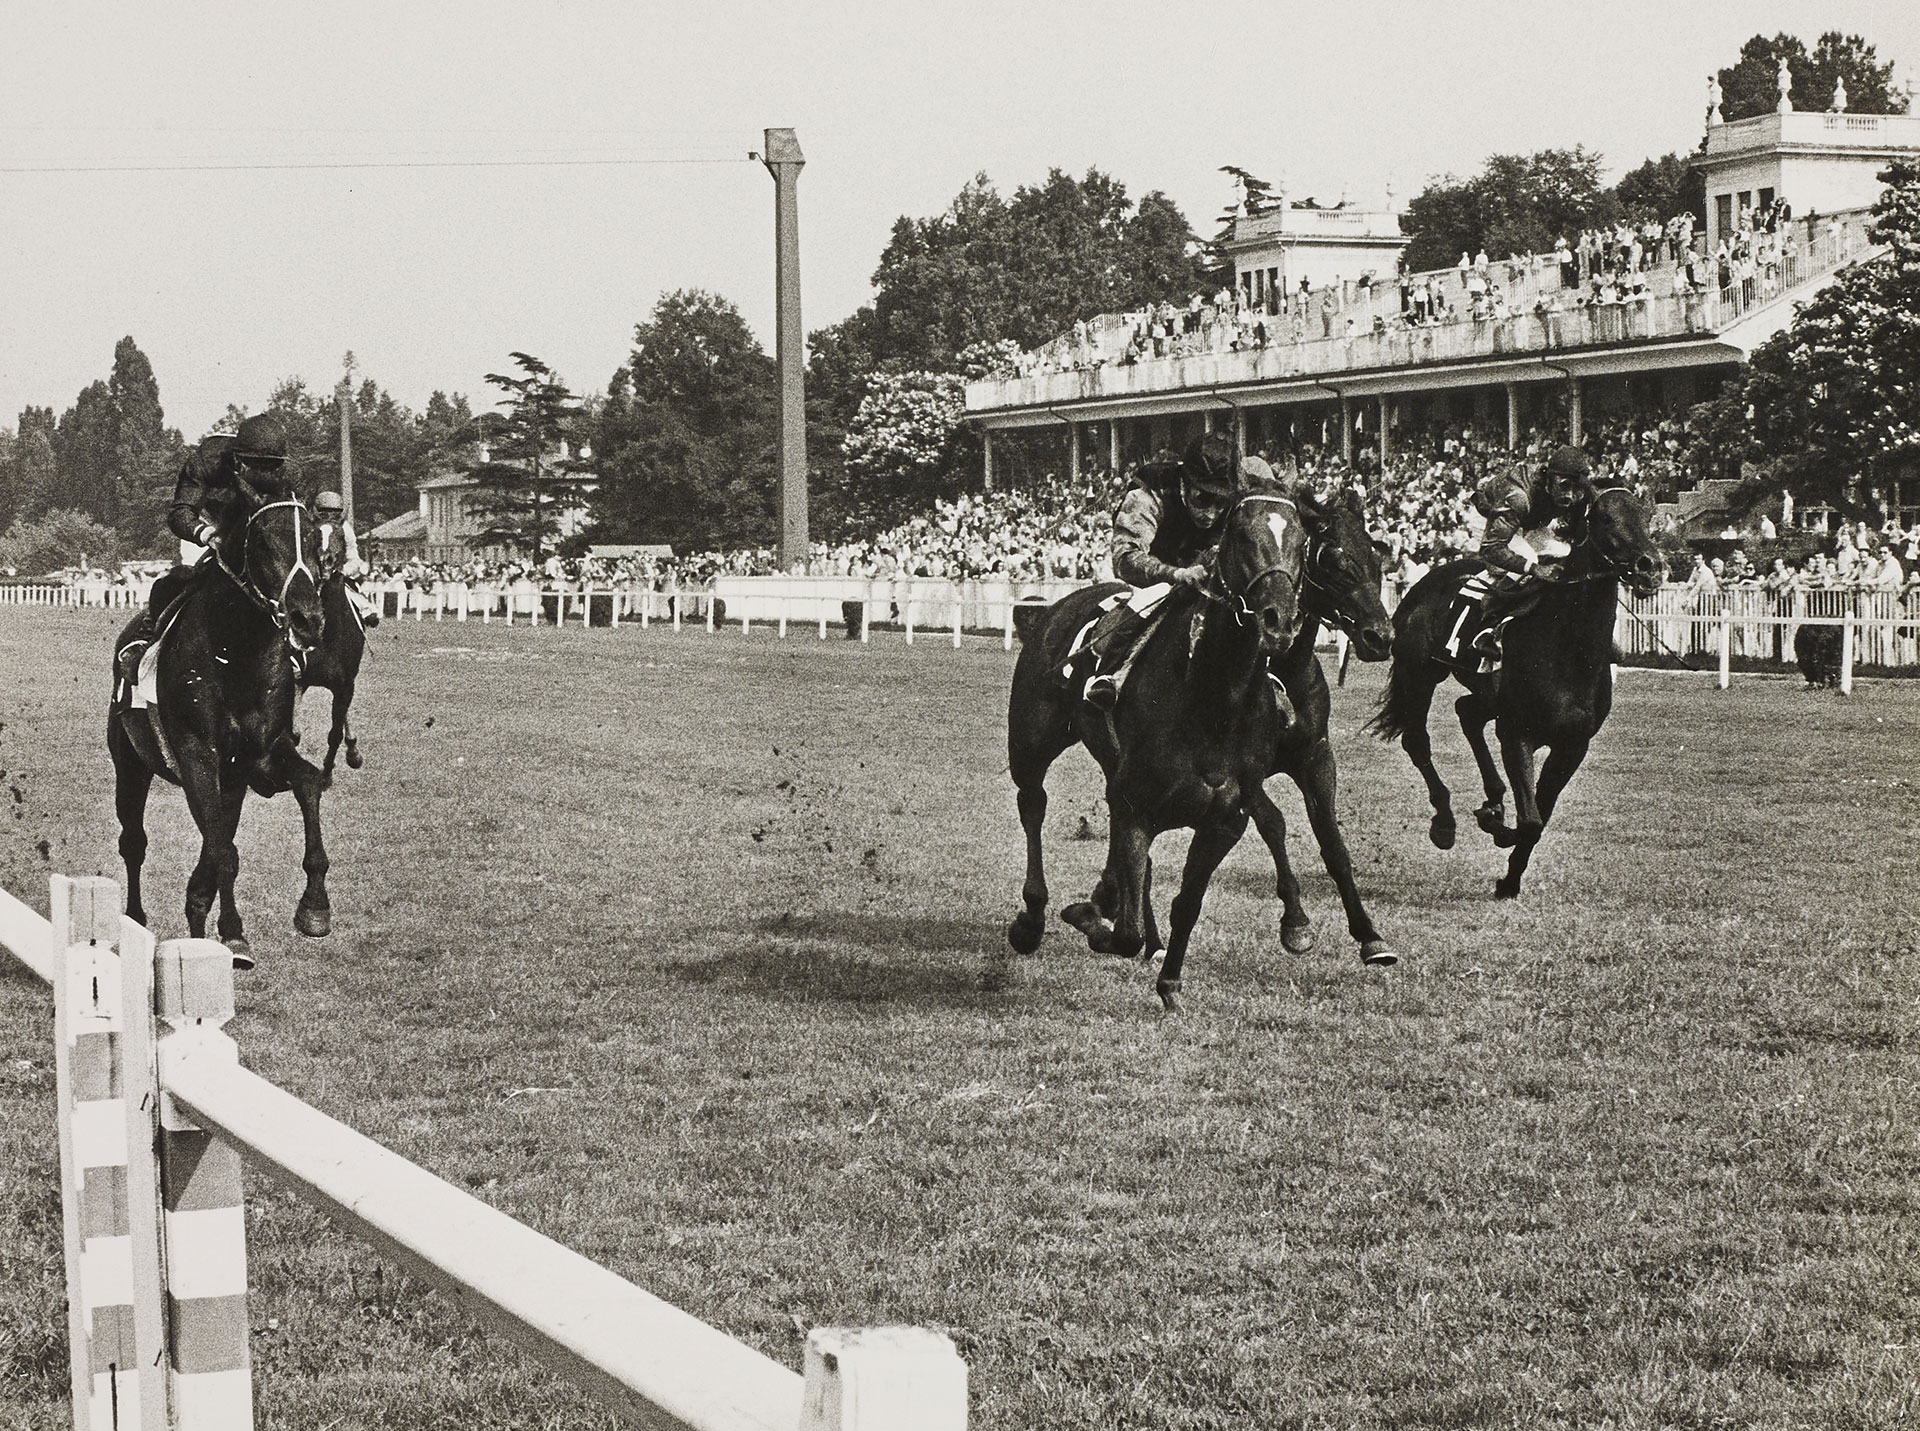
688	951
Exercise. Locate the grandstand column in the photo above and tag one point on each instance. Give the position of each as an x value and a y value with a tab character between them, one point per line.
1346	430
1386	424
986	456
1073	452
1113	447
1574	424
1513	416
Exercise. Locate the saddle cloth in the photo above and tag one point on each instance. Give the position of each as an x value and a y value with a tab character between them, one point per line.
1144	601
1466	615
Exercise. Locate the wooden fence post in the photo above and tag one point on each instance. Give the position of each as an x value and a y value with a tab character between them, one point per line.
1846	649
883	1379
114	1330
1726	645
959	610
204	1220
866	613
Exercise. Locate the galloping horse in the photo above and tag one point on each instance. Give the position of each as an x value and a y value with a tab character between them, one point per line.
223	721
1553	688
334	666
1195	729
1340	586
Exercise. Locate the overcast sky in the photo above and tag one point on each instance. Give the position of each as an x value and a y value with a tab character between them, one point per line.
233	278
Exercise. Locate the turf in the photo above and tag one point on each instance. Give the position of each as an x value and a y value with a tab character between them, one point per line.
688	951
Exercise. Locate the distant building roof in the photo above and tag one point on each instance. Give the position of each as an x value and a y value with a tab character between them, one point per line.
446	479
616	553
407	527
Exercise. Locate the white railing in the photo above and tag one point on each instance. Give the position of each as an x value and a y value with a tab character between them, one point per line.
155	1114
1876	628
112	595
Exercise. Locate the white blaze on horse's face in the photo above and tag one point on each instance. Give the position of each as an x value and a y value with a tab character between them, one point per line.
1277	524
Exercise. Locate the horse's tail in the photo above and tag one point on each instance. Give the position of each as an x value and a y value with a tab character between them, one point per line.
1398	707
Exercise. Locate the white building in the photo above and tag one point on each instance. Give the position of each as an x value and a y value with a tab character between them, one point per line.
1274	252
1818	163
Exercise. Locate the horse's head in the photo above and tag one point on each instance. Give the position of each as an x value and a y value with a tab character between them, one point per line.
1342	576
1262	552
270	545
1617	536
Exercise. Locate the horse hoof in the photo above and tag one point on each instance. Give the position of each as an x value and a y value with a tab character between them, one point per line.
314	923
241	950
1491	818
1169	992
354	761
1441	832
1024	934
1082	916
1378	954
1506	887
1297	938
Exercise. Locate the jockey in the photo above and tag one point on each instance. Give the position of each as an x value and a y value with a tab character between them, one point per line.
1164	536
201	494
340	553
1525	518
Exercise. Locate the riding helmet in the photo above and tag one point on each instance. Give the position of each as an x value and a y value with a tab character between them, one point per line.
262	438
329	502
1569	461
1212	465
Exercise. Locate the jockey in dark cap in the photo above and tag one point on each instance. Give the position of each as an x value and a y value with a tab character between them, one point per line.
201	494
1164	535
1525	537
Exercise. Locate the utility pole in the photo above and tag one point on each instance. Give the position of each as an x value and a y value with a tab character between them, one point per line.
345	402
783	159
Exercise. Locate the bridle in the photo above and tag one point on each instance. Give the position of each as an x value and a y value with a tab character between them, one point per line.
1236	601
1611	566
274	605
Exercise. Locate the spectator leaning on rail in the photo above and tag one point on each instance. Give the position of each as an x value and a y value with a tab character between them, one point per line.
340	552
1164	536
206	486
1526	516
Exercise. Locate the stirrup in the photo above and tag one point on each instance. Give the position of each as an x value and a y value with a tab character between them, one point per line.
1102	691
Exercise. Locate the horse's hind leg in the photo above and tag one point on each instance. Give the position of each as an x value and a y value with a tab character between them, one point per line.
1296	926
340	733
1092	916
1029	925
1562	760
132	783
1492	815
1418	745
1211	845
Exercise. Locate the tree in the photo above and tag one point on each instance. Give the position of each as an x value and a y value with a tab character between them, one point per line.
85	478
1835	398
1663	188
1516	204
1750	85
26	479
900	446
146	452
33	547
684	442
528	482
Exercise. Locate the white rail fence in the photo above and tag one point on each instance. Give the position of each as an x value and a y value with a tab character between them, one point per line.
155	1116
113	595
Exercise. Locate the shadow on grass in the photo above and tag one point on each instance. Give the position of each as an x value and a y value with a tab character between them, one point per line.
866	959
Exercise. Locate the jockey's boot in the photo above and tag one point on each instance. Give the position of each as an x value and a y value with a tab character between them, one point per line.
369	613
1488	640
129	657
1102	690
1105	655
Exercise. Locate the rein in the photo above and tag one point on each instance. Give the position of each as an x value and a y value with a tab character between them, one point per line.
275	606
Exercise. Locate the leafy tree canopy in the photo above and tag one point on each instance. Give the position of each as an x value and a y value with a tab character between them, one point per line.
1516	204
1750	85
1835	398
529	479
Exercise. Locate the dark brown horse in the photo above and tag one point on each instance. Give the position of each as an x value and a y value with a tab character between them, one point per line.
1341	586
334	666
1553	689
223	723
1195	729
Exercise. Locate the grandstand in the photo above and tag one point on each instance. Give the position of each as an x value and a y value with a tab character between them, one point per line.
1509	346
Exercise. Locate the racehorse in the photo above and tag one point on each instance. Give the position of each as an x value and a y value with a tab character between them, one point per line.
1340	586
334	666
1194	730
223	721
1553	687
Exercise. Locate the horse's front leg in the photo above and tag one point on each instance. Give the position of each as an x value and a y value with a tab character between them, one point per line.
1562	760
1418	744
1127	851
1211	844
1296	926
1517	754
1474	713
1318	779
314	915
132	783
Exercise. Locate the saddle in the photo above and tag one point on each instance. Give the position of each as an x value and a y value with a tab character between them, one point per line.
141	682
